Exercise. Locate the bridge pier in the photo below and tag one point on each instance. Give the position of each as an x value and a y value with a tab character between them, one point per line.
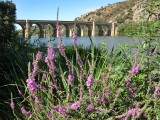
82	31
93	29
113	29
27	30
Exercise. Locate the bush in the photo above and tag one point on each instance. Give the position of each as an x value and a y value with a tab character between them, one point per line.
7	20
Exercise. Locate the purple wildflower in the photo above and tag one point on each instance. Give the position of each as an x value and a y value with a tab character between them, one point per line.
38	55
80	63
158	94
59	31
50	58
75	105
19	91
61	48
89	109
12	104
70	78
135	56
134	111
25	112
89	82
51	53
102	98
35	68
75	40
31	85
99	97
37	100
135	69
55	108
131	111
54	86
60	109
43	77
50	114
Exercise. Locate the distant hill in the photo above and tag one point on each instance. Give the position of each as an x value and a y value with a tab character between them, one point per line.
121	12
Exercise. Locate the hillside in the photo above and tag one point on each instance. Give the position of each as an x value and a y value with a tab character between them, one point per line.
122	12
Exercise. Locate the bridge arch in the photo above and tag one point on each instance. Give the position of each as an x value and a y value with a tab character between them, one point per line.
21	29
41	32
100	31
89	30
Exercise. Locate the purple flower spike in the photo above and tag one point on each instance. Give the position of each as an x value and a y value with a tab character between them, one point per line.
50	114
131	111
135	69
25	112
75	40
51	54
135	56
89	109
158	94
80	63
75	105
37	100
89	82
31	85
61	48
59	31
38	55
62	110
12	104
70	78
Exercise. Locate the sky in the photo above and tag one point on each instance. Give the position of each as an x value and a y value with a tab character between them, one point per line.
47	9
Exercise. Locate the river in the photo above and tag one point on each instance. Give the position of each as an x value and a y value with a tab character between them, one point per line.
85	41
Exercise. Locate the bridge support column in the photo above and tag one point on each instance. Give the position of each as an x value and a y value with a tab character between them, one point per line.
70	32
27	30
116	29
113	29
82	31
93	29
44	34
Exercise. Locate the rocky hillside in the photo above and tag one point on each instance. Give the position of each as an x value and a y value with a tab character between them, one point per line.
126	11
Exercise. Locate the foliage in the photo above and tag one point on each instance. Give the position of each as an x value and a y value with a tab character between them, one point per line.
150	28
7	20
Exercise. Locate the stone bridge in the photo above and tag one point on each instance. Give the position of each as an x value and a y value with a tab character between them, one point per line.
93	28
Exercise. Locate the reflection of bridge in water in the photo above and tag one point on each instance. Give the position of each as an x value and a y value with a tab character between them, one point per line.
109	29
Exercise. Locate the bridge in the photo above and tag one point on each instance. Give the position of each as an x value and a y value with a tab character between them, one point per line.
93	28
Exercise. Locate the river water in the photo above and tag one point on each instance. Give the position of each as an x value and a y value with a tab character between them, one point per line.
85	41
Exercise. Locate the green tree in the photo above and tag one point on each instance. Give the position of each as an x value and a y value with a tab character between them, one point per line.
7	20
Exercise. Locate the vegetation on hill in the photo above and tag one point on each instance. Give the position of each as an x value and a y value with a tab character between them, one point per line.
121	12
